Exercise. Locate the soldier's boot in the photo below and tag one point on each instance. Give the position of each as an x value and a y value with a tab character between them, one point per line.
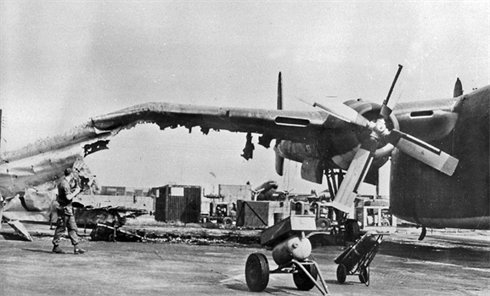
78	250
58	250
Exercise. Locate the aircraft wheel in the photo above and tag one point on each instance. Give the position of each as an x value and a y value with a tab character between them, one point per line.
322	224
257	272
341	273
364	275
301	279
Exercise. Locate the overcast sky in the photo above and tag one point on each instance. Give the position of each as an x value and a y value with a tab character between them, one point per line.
63	62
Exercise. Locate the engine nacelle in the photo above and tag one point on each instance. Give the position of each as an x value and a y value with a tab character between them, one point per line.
338	148
384	149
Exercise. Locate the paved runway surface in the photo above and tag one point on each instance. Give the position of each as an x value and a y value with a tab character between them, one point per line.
439	265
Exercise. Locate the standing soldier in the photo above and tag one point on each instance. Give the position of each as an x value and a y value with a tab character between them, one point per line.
66	218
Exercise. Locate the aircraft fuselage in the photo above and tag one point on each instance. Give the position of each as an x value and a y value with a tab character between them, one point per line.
422	195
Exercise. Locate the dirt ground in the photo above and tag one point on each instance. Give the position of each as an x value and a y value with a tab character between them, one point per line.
443	264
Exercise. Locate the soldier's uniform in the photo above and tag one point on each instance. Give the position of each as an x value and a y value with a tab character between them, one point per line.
66	217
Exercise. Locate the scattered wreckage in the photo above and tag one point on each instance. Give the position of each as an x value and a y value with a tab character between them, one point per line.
107	222
40	206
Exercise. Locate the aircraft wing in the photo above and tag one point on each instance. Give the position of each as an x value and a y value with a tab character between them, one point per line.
298	126
45	160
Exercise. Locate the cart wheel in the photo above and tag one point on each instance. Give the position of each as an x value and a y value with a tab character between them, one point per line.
341	273
301	279
228	222
364	275
322	224
257	272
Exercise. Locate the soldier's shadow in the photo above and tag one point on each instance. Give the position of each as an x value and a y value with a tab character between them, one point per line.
13	236
38	251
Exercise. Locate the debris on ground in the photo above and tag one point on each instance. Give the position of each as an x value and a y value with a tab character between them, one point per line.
20	229
103	232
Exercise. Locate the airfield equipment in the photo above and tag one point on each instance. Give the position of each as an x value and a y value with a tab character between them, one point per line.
357	258
375	215
221	212
291	251
325	214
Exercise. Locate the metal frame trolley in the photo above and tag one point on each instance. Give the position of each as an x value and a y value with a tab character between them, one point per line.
291	251
357	258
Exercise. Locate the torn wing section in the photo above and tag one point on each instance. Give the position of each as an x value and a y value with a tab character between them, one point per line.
286	125
45	160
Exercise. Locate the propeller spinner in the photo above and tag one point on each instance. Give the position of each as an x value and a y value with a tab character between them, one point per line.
361	163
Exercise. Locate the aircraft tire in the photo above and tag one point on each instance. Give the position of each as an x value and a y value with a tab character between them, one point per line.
257	272
302	281
341	273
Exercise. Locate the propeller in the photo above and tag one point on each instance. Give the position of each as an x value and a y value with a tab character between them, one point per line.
355	175
361	163
279	159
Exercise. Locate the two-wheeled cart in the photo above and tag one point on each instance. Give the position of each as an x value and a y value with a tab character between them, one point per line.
355	260
291	251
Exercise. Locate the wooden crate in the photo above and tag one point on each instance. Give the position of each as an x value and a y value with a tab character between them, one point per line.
261	214
178	203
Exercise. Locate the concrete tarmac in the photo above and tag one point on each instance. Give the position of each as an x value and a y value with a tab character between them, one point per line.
439	265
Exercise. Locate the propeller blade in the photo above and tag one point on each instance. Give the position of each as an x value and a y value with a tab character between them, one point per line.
385	110
424	152
344	113
344	199
279	92
279	159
